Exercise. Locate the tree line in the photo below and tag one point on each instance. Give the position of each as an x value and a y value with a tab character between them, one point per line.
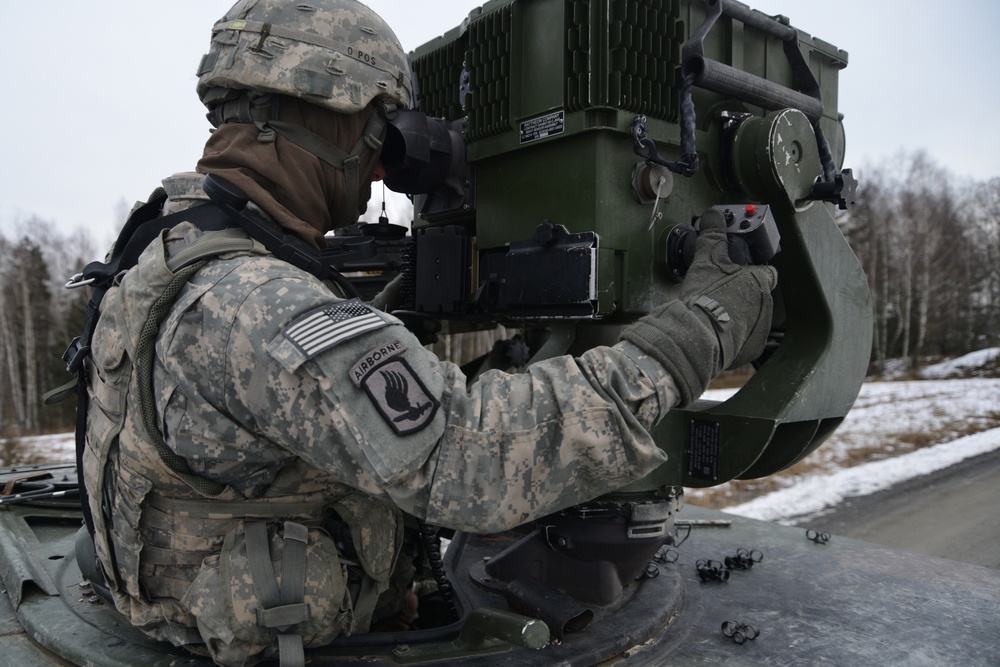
38	318
930	246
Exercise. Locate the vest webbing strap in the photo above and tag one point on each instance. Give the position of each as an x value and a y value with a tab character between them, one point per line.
212	244
280	607
290	651
364	606
248	509
171	557
293	564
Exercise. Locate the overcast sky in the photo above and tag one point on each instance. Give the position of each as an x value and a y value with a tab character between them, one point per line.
99	101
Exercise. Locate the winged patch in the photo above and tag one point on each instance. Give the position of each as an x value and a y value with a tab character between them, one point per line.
400	397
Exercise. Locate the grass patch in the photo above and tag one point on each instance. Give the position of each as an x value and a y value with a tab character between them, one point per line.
732	379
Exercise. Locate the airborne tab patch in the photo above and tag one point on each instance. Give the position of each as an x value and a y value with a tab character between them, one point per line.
400	397
374	358
326	327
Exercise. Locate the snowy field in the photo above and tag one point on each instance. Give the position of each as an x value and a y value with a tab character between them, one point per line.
897	431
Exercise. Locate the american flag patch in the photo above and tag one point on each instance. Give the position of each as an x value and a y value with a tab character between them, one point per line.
329	326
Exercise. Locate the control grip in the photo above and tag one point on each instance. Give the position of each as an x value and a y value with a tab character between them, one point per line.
751	230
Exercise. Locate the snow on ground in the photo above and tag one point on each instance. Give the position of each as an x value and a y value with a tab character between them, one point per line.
982	363
889	420
889	416
963	365
821	492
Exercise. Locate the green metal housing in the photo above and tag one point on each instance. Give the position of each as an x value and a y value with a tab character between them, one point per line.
551	90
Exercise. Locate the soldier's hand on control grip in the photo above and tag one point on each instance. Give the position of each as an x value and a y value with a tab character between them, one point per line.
721	320
735	298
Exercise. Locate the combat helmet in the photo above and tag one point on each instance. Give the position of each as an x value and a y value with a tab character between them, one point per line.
336	54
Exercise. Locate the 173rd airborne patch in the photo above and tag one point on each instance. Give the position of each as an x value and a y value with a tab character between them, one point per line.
394	388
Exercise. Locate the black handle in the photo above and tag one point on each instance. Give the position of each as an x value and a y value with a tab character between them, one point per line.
725	80
746	87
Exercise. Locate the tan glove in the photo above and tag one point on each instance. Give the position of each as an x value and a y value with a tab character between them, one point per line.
721	320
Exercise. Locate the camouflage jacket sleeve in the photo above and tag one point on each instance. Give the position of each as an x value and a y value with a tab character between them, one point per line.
352	392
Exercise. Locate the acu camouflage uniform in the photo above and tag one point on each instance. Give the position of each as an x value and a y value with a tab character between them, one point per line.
272	427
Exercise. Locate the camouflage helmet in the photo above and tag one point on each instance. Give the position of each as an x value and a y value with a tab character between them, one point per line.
336	54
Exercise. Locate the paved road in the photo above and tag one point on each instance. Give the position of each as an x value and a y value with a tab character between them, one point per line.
953	513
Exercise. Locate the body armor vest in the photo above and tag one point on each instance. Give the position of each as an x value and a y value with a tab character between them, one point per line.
192	561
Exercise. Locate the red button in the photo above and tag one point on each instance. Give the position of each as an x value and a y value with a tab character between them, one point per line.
751	210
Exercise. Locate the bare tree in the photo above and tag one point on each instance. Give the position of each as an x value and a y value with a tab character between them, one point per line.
982	212
867	228
13	359
931	250
930	214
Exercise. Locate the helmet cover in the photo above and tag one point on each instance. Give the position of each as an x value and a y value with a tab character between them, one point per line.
336	54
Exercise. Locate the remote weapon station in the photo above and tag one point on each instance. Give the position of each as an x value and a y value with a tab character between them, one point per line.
558	161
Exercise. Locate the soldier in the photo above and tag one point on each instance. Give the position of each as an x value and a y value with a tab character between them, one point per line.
254	438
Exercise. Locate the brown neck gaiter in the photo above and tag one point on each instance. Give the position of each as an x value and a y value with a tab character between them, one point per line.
304	194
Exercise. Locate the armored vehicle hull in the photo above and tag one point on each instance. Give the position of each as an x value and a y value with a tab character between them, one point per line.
842	602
